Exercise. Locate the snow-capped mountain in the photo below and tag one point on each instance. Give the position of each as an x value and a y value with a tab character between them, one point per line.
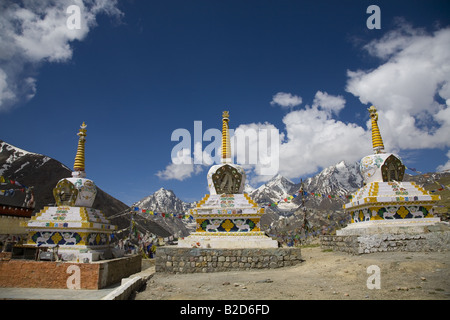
276	189
9	155
163	201
340	179
248	188
319	212
31	170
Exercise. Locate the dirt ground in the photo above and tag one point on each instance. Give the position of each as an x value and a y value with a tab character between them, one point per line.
323	275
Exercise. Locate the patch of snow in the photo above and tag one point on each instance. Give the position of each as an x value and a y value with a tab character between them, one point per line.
44	160
17	151
22	166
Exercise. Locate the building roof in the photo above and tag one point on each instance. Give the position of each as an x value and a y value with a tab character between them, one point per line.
15	211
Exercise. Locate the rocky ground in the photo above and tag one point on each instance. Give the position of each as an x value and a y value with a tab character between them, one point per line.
323	275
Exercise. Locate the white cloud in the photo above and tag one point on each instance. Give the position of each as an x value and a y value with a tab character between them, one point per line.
312	139
315	140
411	88
6	93
255	147
286	100
445	166
181	168
35	31
329	103
184	165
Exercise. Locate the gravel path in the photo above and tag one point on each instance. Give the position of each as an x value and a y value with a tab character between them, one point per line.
322	276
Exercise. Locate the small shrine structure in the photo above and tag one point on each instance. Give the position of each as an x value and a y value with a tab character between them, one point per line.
72	227
227	217
387	213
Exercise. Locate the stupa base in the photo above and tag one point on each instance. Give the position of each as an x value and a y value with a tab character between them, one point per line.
394	226
88	254
79	253
381	236
233	240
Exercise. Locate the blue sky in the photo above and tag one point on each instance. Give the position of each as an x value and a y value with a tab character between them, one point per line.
138	70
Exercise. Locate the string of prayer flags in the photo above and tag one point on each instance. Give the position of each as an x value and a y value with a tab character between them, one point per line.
163	214
5	181
414	170
440	189
304	193
7	193
11	192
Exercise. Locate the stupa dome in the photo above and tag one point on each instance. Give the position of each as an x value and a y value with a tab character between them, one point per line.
382	167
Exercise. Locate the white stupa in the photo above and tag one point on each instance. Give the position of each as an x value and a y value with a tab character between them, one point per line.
73	226
227	217
386	203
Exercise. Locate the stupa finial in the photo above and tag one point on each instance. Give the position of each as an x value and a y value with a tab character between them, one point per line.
79	158
226	148
377	141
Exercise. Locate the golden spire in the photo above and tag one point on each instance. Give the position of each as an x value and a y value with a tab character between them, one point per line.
377	141
79	158
226	148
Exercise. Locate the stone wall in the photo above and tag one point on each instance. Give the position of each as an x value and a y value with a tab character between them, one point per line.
347	244
355	244
113	270
192	260
20	273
